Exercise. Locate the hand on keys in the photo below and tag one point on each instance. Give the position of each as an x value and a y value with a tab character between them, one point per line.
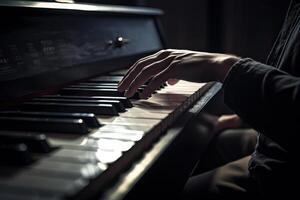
171	65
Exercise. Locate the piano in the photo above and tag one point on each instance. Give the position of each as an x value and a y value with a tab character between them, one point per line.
65	130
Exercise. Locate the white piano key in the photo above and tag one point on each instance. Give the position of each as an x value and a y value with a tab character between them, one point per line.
82	156
143	114
135	121
110	144
84	142
131	135
88	156
36	184
65	169
162	96
59	141
108	157
90	143
153	103
119	128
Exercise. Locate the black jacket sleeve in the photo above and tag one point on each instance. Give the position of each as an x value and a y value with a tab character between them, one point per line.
266	98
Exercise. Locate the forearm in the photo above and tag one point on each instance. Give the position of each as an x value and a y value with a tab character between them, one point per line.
265	97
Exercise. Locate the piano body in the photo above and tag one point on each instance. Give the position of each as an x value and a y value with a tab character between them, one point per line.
65	131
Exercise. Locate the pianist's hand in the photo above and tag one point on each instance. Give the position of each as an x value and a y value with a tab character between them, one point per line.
228	121
175	64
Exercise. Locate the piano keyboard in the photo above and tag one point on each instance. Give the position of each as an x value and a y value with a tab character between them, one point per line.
53	146
81	141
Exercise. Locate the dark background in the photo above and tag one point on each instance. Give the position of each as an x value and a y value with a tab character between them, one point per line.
243	27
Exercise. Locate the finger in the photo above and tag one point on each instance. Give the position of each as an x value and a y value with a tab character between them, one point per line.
139	61
146	58
158	80
138	66
135	69
160	54
146	73
228	121
172	81
233	118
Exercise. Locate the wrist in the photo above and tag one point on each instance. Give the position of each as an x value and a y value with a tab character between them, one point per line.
227	62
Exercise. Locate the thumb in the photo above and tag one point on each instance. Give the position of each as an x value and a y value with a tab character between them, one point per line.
228	121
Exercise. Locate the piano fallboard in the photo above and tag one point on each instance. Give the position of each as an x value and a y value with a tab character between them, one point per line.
46	45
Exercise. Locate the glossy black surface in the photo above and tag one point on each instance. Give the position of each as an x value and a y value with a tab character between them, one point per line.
44	46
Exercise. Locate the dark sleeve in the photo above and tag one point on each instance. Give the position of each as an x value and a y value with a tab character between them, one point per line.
264	97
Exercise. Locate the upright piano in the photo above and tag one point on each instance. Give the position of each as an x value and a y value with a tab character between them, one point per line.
65	130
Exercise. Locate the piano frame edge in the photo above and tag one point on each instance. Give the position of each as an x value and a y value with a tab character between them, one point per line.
83	7
131	185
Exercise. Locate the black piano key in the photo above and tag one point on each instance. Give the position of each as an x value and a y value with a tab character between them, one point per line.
141	88
91	92
106	79
119	72
35	142
98	109
98	84
102	91
125	101
94	86
44	124
136	96
85	156
89	118
106	86
119	106
15	154
126	135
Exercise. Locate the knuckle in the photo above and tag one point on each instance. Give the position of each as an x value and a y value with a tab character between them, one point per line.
139	65
146	70
166	52
162	51
138	62
169	50
171	58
